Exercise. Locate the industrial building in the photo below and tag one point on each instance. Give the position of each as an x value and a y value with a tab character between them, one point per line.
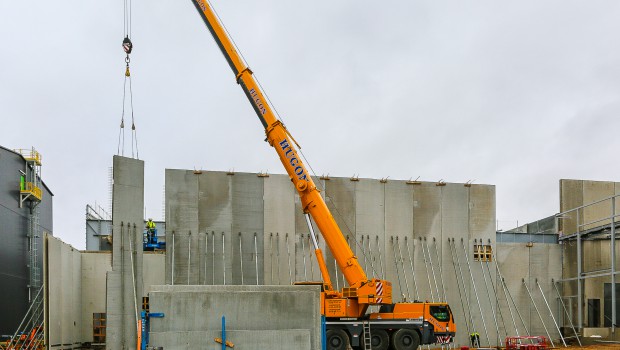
25	216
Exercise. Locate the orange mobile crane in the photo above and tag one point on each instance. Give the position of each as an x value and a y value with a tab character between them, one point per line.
403	326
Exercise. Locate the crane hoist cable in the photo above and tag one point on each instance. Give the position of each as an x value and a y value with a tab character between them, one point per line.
127	48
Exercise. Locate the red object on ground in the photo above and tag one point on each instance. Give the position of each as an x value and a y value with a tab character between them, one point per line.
527	343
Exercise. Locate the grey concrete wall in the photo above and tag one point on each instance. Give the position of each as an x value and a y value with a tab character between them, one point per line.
124	282
577	193
95	267
266	317
64	288
399	230
540	263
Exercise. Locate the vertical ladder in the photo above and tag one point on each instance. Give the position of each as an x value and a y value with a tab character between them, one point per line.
367	335
34	236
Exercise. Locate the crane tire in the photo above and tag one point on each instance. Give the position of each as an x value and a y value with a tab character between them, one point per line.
405	339
379	339
337	339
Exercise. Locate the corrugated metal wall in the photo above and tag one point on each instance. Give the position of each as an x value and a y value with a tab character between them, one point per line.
14	275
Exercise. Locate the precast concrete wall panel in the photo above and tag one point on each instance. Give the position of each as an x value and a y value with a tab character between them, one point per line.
182	234
545	265
95	266
571	196
540	263
63	266
153	273
215	216
124	282
247	204
53	263
454	225
340	198
482	213
398	207
369	222
279	222
513	263
593	214
426	220
290	312
286	340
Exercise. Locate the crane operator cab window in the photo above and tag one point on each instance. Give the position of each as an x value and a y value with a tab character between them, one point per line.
440	312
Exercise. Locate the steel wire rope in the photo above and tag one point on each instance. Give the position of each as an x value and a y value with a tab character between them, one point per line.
281	118
122	126
134	133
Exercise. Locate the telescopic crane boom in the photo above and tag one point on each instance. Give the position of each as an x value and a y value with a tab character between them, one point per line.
407	323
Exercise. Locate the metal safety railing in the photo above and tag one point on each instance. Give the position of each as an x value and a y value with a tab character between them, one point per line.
31	189
31	155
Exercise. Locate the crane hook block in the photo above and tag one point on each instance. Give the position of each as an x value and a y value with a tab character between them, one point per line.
127	45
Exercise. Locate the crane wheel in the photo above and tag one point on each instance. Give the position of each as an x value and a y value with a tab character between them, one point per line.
337	339
379	339
405	339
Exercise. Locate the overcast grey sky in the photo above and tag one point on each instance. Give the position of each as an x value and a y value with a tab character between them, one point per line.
516	94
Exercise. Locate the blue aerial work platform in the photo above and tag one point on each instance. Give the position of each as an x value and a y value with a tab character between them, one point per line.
150	241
